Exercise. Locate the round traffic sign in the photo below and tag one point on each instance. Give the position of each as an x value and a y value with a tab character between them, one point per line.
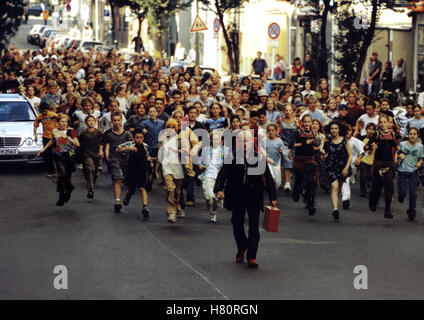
274	30
68	7
216	25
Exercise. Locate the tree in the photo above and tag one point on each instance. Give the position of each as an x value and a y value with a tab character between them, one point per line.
160	12
139	8
116	4
231	34
353	41
11	12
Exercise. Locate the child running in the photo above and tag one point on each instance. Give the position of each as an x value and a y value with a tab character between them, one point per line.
90	141
411	159
274	150
138	163
383	172
212	160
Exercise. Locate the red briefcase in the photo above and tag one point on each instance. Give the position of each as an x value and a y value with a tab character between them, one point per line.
271	219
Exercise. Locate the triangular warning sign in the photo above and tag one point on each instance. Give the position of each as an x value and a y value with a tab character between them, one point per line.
198	25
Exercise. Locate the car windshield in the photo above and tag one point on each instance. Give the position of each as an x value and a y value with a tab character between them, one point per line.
16	111
90	44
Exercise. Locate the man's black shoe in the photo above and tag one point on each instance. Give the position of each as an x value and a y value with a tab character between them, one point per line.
411	214
311	210
401	198
362	194
296	196
126	200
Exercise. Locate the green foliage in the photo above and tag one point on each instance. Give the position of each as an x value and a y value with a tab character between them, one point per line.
11	12
161	10
348	42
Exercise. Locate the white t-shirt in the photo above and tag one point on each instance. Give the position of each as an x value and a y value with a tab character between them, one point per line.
82	126
365	119
171	163
35	102
357	147
106	121
123	104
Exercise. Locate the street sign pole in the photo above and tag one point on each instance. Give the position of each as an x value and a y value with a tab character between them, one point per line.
216	28
273	33
197	38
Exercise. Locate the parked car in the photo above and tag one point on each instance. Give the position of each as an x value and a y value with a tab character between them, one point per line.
61	41
85	45
17	143
102	48
35	9
73	44
35	32
52	38
44	36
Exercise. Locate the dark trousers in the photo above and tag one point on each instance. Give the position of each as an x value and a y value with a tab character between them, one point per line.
249	243
90	169
65	167
408	180
304	179
151	175
364	176
378	182
47	155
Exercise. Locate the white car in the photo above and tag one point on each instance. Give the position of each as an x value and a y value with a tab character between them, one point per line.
86	45
35	33
17	143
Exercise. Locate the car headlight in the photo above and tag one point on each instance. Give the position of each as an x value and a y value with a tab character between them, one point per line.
29	141
39	141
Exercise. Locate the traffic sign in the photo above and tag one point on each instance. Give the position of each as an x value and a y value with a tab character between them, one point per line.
198	25
274	30
68	7
216	25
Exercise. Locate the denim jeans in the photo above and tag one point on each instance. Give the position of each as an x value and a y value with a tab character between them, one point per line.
408	180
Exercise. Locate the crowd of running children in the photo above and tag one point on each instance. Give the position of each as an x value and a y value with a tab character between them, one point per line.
95	107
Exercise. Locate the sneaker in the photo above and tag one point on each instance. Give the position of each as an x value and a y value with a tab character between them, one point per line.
411	214
50	175
252	264
190	203
346	204
208	205
172	218
240	257
296	196
99	168
213	217
287	187
90	194
79	167
336	215
126	200
388	215
61	200
372	205
311	210
145	212
181	214
117	206
68	193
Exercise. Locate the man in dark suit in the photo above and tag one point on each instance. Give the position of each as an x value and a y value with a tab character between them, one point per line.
242	174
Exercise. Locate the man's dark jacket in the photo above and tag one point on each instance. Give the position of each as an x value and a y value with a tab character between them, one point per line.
243	195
